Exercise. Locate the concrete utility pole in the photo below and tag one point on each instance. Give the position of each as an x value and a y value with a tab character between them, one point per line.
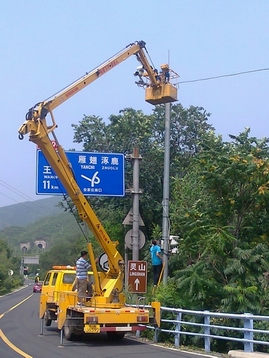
166	189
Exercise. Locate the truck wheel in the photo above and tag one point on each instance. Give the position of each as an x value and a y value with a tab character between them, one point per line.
115	335
47	320
69	333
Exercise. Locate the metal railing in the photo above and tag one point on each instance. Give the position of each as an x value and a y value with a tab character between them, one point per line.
184	322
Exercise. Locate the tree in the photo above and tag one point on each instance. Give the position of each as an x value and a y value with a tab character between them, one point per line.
133	128
7	262
224	223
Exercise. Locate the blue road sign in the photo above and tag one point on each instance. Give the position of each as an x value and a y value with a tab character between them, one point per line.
97	174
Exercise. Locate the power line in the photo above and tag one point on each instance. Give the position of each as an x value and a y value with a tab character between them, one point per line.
19	193
222	76
9	197
14	190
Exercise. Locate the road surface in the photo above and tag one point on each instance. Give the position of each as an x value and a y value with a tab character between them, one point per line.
20	329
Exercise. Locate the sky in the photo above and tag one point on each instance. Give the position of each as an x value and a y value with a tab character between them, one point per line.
45	45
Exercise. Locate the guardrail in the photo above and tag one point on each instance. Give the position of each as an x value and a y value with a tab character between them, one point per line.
210	326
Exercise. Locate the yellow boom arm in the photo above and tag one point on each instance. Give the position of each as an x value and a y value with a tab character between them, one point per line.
158	90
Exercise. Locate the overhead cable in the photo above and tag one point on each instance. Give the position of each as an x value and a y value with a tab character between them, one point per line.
222	76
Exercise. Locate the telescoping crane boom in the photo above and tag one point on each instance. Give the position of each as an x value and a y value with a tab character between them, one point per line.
158	86
158	89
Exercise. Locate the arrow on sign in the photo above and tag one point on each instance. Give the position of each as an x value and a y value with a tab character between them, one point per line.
94	180
137	282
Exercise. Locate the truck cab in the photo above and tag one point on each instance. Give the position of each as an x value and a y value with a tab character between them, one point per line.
58	279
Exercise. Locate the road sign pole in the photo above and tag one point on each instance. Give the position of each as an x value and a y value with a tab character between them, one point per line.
136	158
126	266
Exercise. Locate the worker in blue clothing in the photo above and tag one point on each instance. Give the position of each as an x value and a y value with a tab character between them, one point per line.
157	261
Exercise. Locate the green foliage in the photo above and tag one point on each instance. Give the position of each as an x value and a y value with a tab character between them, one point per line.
261	337
167	294
63	252
219	202
7	262
132	129
220	211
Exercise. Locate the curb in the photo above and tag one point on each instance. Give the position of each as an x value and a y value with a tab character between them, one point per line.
242	354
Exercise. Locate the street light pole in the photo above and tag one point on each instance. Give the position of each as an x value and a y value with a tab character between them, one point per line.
166	189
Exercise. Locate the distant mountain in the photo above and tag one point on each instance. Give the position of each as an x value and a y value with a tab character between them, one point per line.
28	212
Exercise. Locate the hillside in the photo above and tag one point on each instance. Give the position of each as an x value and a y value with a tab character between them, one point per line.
28	212
50	229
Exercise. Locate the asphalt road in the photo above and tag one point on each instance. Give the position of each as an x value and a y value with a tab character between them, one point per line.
20	329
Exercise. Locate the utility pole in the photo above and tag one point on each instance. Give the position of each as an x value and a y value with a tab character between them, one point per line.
166	189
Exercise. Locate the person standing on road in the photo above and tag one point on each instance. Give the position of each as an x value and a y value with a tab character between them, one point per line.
157	261
82	267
